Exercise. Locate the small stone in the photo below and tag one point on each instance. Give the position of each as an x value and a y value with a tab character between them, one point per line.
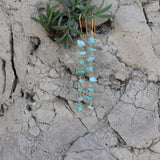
82	62
91	49
34	131
80	98
90	107
81	43
92	79
89	98
81	81
81	52
32	123
89	69
89	59
80	89
90	89
79	108
91	40
121	76
80	72
53	73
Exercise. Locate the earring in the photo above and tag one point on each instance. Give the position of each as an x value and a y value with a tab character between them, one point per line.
81	72
89	69
81	44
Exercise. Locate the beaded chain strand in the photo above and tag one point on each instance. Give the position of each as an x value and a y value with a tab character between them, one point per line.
81	43
89	69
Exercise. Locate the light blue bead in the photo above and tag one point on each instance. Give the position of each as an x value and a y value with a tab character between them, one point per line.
82	62
80	98
90	89
81	81
82	52
80	72
92	79
79	108
89	98
91	49
90	107
81	43
89	69
91	40
89	59
80	89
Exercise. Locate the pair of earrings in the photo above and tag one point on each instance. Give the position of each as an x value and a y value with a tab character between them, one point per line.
88	69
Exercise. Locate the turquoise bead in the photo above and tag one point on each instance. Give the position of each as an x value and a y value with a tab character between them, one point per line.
81	81
89	69
89	98
89	59
92	79
90	89
82	62
80	72
80	98
91	40
90	107
80	89
81	43
82	52
79	108
91	49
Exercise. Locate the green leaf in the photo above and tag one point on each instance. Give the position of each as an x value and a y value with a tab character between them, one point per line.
105	16
101	5
43	19
61	39
104	9
75	30
65	42
63	4
73	2
36	20
91	8
89	16
60	20
48	11
81	7
57	15
42	16
70	38
87	6
59	27
50	17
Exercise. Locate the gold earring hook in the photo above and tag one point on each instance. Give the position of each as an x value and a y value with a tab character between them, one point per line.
86	23
94	27
80	24
93	32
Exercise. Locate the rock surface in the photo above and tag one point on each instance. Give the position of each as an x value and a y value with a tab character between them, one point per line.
38	87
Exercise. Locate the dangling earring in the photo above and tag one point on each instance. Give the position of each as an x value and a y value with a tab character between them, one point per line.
81	44
89	69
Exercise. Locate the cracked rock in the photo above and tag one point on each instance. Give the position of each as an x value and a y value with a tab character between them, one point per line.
156	147
133	37
44	116
137	126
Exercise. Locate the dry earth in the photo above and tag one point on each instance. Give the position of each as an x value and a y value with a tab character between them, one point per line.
38	87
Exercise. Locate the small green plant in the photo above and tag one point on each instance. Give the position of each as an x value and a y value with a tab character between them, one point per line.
47	20
63	26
